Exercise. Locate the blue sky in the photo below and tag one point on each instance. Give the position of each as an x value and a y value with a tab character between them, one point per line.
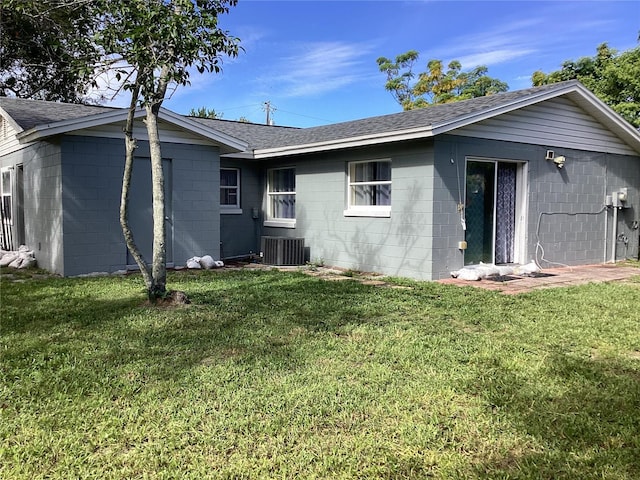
315	61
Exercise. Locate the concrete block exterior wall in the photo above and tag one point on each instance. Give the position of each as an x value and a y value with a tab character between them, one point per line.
565	206
240	232
399	245
42	201
91	185
196	200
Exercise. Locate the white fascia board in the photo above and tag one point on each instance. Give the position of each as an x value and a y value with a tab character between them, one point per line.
437	129
232	144
47	130
360	141
245	155
10	120
499	110
227	142
597	107
609	117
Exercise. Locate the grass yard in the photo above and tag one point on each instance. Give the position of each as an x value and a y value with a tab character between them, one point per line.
282	375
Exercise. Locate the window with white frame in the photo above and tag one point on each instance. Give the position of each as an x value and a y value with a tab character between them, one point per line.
230	190
281	197
369	188
7	195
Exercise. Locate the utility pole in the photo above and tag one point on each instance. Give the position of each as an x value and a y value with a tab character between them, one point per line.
269	109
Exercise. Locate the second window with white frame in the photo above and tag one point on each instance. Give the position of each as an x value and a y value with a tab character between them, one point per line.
281	194
369	188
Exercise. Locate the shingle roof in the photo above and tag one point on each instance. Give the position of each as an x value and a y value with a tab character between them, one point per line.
255	134
263	136
31	113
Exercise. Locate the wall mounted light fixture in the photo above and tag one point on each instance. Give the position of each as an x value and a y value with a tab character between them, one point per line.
559	161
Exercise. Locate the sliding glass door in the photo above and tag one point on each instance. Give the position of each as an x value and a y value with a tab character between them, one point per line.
491	203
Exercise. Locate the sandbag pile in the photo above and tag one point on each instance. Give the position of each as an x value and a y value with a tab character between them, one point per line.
205	262
485	270
22	258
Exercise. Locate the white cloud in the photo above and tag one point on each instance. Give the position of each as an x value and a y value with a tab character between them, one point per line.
492	57
508	41
319	67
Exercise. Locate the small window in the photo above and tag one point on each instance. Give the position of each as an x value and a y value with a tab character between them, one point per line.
7	197
369	191
281	197
230	190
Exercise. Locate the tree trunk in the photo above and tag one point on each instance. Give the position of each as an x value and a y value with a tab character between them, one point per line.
158	286
130	147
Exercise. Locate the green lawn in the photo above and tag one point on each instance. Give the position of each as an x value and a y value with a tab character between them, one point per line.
282	375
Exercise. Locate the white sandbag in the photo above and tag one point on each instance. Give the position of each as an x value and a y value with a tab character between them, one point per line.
29	262
468	274
527	269
16	263
485	270
504	270
207	262
7	258
194	263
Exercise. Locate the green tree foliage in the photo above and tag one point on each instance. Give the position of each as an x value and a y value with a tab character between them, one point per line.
435	85
614	77
204	112
46	50
155	43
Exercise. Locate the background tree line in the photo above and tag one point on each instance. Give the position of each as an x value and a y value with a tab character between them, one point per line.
48	51
611	75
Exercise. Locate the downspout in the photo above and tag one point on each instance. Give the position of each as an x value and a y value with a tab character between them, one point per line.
606	213
606	226
614	233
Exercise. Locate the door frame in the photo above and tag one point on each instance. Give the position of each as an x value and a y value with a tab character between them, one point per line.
167	165
521	206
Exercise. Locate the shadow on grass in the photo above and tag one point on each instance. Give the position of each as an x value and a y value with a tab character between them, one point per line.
95	338
255	319
587	418
38	306
63	330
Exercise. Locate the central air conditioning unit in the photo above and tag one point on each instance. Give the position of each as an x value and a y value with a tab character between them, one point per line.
282	250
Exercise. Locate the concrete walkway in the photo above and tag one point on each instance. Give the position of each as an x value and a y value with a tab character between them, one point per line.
552	277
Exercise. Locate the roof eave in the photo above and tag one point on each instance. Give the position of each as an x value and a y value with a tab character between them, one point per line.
40	132
609	117
226	142
9	119
353	142
613	120
229	143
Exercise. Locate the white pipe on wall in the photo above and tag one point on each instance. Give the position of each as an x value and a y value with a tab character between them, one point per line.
614	234
606	225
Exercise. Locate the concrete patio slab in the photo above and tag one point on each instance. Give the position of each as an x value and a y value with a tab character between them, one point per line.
552	277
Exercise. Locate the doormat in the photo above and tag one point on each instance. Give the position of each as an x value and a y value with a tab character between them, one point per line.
502	278
509	278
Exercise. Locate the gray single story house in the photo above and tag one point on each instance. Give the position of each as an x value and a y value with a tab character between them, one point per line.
548	174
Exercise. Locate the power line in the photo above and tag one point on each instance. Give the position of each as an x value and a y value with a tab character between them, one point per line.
307	116
269	108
